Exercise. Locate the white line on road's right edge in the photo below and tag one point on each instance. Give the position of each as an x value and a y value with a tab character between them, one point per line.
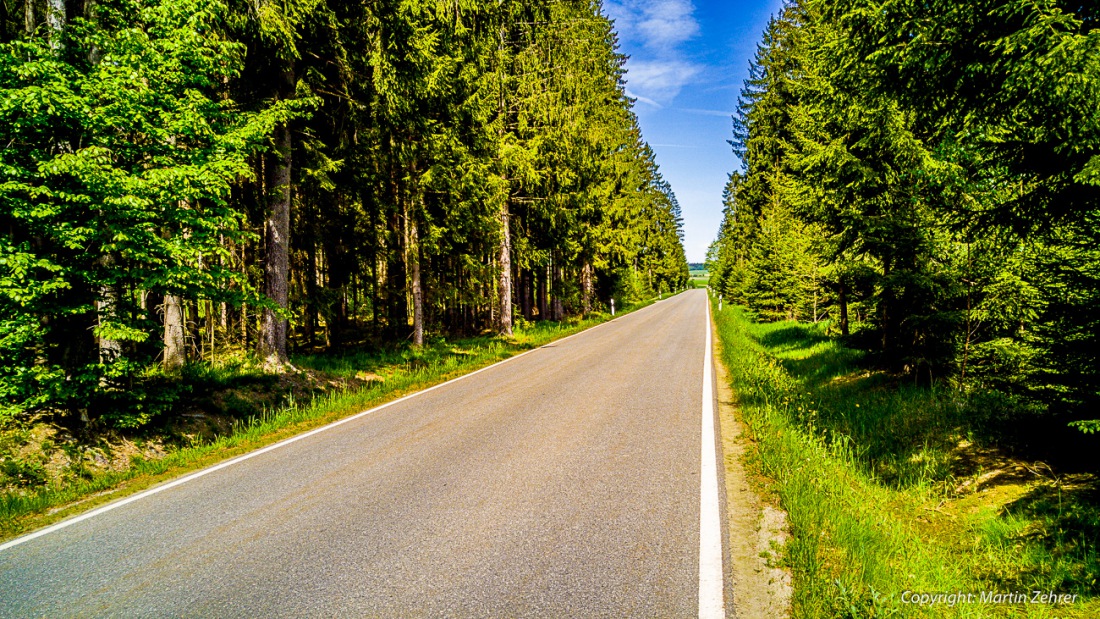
712	604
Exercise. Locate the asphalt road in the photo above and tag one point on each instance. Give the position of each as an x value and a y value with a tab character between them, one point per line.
563	483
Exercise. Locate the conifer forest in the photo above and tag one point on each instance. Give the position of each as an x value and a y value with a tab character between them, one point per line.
181	179
925	176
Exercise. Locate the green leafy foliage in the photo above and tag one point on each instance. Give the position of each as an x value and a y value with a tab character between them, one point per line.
152	149
118	163
923	173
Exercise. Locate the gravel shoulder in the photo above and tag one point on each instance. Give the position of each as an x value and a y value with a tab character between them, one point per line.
756	530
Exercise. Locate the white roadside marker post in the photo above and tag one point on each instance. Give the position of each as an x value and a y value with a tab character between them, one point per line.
612	307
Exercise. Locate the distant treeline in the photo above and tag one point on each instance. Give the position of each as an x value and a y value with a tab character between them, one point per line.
182	177
926	176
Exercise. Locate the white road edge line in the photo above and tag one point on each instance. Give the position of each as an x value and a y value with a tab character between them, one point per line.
712	603
294	439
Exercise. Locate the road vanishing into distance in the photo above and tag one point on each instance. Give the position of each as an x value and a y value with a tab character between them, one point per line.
571	481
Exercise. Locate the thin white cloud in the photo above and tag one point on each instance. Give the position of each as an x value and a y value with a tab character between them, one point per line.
692	110
668	23
656	24
660	80
658	70
645	100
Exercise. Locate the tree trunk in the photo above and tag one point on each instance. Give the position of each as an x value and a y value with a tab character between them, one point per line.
28	16
527	295
505	291
277	251
210	326
373	289
109	349
396	304
107	309
586	287
558	310
542	306
243	324
94	54
969	316
842	300
223	307
174	353
242	311
885	315
312	275
414	276
55	21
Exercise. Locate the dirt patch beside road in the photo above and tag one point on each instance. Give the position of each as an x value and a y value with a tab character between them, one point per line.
755	530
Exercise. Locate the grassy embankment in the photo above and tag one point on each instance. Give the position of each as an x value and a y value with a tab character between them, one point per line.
893	488
372	378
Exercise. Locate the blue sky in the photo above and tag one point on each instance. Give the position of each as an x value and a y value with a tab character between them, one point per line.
688	60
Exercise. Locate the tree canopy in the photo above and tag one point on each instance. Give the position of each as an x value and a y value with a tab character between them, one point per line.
180	177
924	175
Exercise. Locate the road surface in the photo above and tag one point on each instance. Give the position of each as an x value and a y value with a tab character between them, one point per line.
562	483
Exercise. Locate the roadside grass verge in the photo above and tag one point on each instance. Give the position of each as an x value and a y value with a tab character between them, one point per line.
381	376
893	488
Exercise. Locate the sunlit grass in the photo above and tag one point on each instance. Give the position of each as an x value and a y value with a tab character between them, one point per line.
867	469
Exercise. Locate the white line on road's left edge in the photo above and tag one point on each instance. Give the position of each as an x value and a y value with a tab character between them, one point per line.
712	604
294	439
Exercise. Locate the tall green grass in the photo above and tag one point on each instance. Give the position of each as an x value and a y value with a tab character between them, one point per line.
862	464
